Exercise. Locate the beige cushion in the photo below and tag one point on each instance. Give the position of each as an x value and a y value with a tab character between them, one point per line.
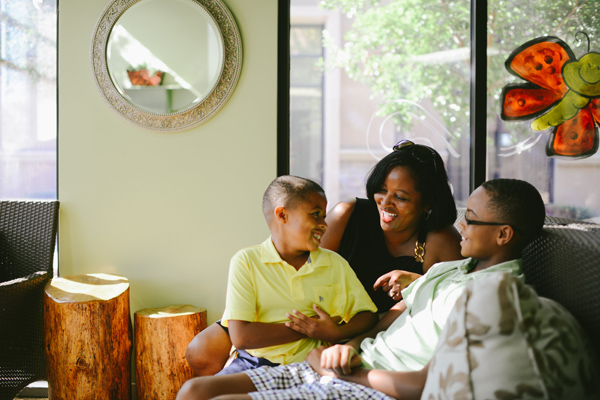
502	341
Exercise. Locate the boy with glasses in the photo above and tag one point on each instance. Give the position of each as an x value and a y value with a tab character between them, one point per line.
390	361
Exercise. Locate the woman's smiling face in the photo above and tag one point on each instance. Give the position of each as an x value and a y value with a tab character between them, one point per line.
398	201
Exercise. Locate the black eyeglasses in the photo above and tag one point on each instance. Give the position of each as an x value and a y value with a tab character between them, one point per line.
421	153
473	222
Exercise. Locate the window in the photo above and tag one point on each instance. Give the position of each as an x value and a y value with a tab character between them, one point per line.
374	94
514	149
399	69
306	101
28	121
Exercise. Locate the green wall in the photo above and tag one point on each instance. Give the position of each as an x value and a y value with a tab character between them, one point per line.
165	210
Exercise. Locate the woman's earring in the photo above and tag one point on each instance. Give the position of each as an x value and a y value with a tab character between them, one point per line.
427	215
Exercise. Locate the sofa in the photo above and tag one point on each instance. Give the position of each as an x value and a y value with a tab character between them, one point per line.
529	337
563	264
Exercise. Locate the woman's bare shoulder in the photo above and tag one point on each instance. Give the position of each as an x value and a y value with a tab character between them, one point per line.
442	245
337	220
342	208
449	233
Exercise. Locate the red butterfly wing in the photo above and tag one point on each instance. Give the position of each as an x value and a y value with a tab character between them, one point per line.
540	61
595	110
525	102
575	138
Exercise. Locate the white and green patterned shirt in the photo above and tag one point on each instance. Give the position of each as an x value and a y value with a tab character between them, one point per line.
409	343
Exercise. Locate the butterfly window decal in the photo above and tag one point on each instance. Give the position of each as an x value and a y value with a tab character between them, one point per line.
562	93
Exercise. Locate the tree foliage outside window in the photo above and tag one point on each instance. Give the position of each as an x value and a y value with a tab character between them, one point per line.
418	49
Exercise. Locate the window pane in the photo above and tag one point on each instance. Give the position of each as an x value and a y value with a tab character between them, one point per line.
306	102
391	71
515	150
28	99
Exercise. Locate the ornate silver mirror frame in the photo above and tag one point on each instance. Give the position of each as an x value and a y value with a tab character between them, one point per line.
177	121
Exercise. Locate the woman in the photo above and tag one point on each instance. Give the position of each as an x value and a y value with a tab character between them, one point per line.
390	239
404	226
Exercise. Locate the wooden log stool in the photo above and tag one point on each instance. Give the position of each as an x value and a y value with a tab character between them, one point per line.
88	339
161	338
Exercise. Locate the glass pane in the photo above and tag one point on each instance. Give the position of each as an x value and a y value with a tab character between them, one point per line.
306	40
306	102
28	99
390	71
304	72
515	149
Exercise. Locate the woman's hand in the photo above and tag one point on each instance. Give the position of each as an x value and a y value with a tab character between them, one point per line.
320	327
394	282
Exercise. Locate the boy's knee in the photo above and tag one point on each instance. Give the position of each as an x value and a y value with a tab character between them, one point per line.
190	391
208	351
202	388
198	361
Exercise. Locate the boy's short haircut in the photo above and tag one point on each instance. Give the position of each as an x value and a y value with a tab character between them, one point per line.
288	191
518	203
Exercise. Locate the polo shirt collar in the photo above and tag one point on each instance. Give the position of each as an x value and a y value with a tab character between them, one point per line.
469	264
268	252
269	255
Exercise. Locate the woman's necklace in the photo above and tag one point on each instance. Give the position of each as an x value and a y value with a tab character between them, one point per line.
419	252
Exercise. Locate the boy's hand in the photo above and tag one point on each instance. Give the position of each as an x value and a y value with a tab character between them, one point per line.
314	360
334	361
320	327
394	282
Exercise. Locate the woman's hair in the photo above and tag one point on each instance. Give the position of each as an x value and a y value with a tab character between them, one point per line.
430	180
517	202
288	191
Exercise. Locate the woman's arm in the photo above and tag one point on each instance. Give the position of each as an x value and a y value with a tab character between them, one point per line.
395	282
337	220
441	245
255	335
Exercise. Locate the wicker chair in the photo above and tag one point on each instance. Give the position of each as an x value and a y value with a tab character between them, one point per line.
27	241
563	264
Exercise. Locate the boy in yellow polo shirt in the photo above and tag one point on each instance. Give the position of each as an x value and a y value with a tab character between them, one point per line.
290	274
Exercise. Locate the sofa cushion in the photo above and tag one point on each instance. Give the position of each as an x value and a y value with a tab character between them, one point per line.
503	341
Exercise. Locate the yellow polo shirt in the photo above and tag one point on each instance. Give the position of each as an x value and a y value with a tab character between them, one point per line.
263	288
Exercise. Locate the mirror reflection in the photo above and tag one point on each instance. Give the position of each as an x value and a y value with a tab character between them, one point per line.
145	60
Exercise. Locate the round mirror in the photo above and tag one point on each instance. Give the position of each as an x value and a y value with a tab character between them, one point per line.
166	65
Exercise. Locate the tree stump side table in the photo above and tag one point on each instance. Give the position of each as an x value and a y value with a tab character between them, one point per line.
88	339
161	338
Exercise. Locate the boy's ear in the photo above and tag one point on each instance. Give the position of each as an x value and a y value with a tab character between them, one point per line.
281	214
505	235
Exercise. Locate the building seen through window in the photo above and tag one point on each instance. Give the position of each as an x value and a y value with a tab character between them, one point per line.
398	69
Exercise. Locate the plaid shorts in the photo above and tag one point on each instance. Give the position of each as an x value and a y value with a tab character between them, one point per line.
300	381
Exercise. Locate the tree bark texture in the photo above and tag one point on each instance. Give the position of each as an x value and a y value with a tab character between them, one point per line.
88	337
161	338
